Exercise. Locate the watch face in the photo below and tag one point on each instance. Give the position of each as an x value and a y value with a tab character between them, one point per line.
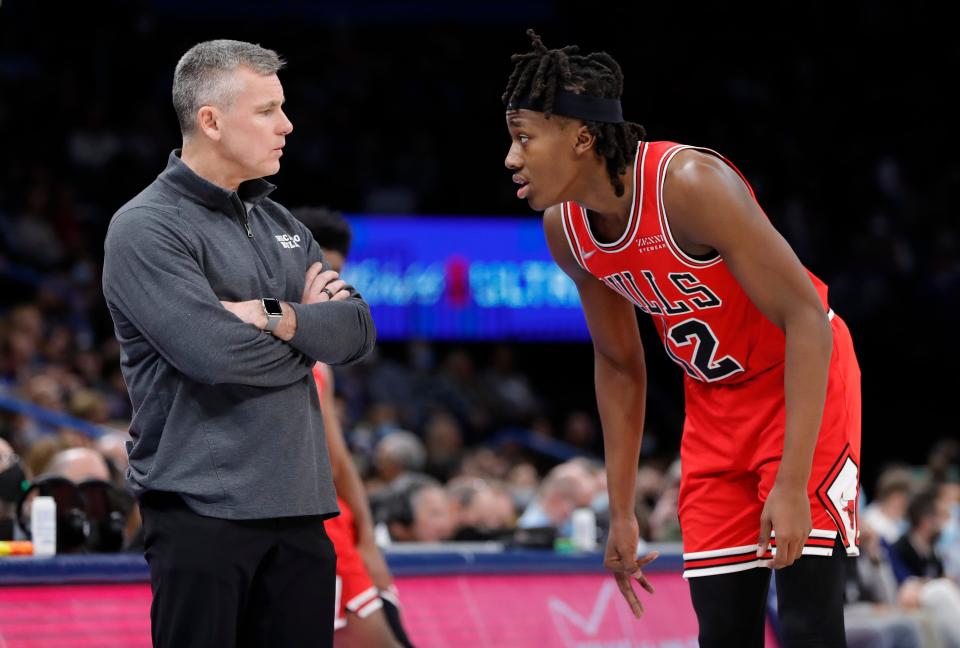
272	306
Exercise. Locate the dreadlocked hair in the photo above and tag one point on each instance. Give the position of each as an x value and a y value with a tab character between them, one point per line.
542	72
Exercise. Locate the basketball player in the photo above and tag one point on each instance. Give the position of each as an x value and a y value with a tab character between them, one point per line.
368	613
771	438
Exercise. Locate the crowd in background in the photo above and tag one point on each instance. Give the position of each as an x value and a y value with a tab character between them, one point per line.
464	443
837	131
456	444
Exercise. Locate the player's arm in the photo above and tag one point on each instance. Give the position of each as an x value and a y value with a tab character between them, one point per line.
349	487
709	206
621	385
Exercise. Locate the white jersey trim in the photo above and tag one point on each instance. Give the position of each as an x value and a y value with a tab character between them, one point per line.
826	534
719	553
390	595
370	608
722	569
760	563
672	245
819	533
361	599
633	223
566	221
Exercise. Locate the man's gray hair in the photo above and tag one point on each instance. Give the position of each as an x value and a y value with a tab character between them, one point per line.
202	77
405	448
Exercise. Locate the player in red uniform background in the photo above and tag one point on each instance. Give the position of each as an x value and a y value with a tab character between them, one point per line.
368	609
771	440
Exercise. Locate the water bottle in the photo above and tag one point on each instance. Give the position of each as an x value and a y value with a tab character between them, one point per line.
43	526
584	522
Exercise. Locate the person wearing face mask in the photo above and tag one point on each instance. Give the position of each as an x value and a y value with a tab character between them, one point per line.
919	568
12	480
949	542
887	514
915	553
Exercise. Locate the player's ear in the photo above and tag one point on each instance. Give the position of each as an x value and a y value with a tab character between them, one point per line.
584	140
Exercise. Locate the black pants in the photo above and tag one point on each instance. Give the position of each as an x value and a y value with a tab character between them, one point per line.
237	583
731	607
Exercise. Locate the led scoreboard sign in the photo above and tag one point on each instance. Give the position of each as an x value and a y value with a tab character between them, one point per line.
462	278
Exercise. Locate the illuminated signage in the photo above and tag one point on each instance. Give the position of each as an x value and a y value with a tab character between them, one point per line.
462	278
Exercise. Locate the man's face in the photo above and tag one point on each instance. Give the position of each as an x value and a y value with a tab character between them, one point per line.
432	516
541	157
254	127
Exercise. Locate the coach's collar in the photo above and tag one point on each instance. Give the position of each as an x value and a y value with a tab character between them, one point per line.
186	181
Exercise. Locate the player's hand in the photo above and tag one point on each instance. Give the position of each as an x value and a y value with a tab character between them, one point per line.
621	559
323	286
375	564
787	511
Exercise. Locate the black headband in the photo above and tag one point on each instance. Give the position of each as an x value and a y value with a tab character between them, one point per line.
578	106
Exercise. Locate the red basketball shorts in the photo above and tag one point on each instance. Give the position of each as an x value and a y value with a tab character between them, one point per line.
730	453
355	591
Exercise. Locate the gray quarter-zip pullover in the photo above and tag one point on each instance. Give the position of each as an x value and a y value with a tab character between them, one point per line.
225	415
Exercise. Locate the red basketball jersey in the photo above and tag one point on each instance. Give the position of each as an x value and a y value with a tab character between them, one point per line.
706	321
320	377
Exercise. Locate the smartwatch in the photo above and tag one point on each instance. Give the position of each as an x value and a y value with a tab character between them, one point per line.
271	307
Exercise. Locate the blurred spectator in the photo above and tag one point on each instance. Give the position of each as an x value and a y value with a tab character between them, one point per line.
650	484
484	463
887	514
40	453
95	515
665	519
43	390
113	447
444	443
523	481
650	487
483	510
875	614
12	478
566	488
949	542
79	464
417	509
919	568
398	453
379	421
89	405
916	551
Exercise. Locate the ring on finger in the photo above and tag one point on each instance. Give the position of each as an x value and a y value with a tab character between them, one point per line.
327	291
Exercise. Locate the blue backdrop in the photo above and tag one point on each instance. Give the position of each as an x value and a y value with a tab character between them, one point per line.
462	278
